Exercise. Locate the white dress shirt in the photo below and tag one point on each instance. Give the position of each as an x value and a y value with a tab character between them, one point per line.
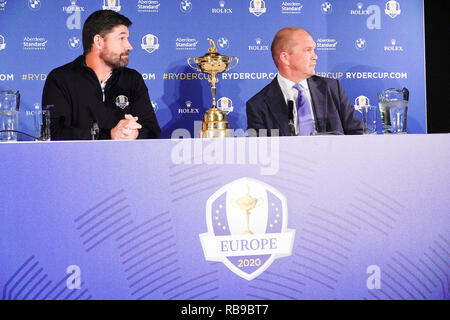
291	93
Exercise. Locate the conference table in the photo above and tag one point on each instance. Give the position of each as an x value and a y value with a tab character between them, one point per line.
284	218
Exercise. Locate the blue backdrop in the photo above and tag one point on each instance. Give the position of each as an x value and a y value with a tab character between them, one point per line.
368	46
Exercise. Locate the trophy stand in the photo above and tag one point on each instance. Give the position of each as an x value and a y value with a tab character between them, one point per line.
215	124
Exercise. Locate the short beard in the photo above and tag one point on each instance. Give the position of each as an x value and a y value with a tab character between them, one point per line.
122	62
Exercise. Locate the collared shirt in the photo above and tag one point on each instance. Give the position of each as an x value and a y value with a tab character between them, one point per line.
291	93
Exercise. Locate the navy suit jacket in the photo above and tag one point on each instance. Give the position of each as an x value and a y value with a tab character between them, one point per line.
268	109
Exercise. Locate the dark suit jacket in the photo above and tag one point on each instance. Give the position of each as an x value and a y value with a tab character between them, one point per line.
268	109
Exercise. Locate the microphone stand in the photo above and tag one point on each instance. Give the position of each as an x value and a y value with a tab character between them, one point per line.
291	118
95	130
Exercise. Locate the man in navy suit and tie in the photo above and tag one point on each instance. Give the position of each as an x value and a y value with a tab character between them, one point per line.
297	102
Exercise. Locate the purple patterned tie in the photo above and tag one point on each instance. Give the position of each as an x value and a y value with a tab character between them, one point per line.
305	119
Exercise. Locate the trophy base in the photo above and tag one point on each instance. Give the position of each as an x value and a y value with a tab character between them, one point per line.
216	134
215	124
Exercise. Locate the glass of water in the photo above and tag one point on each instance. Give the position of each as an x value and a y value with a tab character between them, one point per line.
37	119
393	104
369	119
9	115
45	126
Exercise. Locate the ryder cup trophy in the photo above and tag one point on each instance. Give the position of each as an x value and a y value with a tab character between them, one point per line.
215	124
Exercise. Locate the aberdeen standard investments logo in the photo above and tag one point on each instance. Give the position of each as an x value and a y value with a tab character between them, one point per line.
326	44
34	43
149	6
247	227
291	7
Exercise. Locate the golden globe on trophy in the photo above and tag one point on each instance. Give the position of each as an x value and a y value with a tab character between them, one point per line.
215	124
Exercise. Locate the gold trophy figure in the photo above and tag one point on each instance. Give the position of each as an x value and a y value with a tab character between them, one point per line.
215	124
247	203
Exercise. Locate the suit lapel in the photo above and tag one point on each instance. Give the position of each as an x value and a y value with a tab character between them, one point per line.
277	106
318	91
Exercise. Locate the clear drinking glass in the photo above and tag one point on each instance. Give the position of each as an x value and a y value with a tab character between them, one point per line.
45	126
369	119
9	115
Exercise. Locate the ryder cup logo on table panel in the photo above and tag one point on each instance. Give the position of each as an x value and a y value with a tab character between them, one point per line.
111	5
34	4
247	227
257	7
392	9
150	43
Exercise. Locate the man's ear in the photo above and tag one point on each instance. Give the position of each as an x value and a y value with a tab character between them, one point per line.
98	42
283	57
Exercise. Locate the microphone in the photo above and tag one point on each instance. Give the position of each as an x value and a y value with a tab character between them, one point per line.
291	117
95	130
